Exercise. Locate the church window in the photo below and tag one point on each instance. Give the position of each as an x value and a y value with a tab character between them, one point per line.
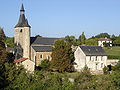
20	30
41	56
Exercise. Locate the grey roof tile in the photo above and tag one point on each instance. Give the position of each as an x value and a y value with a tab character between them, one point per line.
93	50
22	20
43	40
42	48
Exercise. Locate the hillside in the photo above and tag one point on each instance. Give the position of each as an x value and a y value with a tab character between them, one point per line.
113	52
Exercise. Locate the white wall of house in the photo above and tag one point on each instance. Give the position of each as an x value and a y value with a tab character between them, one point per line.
29	65
100	43
79	59
94	63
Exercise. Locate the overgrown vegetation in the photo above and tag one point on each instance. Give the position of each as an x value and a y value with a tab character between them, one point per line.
113	52
92	41
17	78
9	42
14	77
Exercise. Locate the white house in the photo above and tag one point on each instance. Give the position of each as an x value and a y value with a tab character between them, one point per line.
93	56
28	64
101	42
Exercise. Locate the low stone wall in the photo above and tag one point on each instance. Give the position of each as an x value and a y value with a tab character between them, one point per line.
112	62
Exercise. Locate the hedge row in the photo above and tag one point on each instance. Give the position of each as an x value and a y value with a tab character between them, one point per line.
113	57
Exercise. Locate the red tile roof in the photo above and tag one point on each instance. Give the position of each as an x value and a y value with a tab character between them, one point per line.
104	39
20	60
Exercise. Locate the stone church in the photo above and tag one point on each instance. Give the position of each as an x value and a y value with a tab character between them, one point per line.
30	49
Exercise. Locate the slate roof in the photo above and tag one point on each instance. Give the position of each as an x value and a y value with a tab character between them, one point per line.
43	40
22	8
42	48
23	22
93	51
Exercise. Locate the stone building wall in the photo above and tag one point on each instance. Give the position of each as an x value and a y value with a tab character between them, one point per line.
42	56
29	65
79	59
22	38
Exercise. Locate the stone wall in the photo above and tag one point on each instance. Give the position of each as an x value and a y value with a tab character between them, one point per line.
22	38
112	62
42	56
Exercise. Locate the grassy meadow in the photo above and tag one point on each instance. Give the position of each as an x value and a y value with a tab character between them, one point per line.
112	52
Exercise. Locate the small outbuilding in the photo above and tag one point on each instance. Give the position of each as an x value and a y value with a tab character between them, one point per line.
28	64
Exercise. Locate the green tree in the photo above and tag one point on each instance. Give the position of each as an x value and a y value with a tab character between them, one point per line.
3	80
72	40
3	53
82	38
10	42
17	77
102	35
116	67
113	37
2	34
45	64
91	42
115	76
62	56
116	42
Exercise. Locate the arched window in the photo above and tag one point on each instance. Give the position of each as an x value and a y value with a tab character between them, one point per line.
41	56
20	30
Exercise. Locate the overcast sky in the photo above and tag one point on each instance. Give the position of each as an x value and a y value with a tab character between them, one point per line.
58	18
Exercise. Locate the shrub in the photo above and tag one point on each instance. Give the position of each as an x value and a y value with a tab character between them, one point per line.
105	70
113	57
45	64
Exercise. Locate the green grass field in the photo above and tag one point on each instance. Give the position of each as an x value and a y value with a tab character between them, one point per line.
112	52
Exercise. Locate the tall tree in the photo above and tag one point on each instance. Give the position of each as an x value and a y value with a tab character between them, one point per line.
91	42
113	37
3	54
71	39
2	34
62	56
10	42
82	38
102	35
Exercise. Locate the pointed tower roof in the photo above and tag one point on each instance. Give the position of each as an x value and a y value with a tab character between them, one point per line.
22	20
22	8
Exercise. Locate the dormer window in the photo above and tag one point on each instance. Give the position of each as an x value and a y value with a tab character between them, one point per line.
20	30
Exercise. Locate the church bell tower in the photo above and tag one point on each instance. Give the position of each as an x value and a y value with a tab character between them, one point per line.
22	35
